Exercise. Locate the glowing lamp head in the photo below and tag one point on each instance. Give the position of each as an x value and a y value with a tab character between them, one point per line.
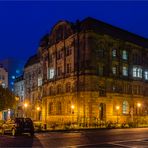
38	108
139	104
72	106
25	105
117	107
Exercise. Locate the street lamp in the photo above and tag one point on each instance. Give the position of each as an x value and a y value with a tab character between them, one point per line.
138	106
117	108
16	108
72	112
25	106
38	112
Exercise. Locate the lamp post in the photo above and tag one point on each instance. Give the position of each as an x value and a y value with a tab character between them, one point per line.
38	112
138	106
72	113
25	107
17	100
117	108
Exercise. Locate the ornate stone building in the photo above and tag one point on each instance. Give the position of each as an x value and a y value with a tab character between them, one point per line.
93	72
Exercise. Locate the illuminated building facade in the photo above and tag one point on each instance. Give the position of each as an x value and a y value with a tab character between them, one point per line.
32	82
93	72
19	91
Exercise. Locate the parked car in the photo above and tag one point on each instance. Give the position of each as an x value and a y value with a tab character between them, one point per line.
18	126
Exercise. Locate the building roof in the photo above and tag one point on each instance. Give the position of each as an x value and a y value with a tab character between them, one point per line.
32	60
18	79
102	27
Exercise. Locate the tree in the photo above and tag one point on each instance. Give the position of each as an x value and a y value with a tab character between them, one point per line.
7	99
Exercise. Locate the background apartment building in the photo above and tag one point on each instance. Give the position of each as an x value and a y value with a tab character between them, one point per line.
3	77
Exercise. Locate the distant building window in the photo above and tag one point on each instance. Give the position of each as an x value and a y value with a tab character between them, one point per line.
50	108
68	68
146	75
137	72
51	73
125	107
68	87
68	51
3	85
59	71
59	54
114	70
114	53
124	71
59	108
40	81
124	55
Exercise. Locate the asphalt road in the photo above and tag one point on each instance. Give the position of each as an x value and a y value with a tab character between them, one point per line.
115	138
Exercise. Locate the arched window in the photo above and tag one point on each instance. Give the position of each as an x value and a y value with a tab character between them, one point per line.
124	55
59	108
125	107
50	108
102	111
68	87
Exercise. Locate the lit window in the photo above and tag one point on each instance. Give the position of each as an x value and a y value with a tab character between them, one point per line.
125	107
137	72
146	75
124	55
3	85
114	53
39	81
114	70
125	71
51	73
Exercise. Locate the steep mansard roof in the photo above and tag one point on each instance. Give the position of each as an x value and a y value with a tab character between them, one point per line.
104	28
98	26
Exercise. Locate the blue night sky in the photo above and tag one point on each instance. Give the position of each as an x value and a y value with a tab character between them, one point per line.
23	24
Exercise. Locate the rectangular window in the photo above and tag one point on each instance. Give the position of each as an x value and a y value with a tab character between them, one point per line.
124	55
68	68
59	71
114	70
114	53
68	51
125	71
146	75
51	73
134	72
39	81
137	72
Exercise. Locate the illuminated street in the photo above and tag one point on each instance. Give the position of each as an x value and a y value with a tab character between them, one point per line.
91	138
